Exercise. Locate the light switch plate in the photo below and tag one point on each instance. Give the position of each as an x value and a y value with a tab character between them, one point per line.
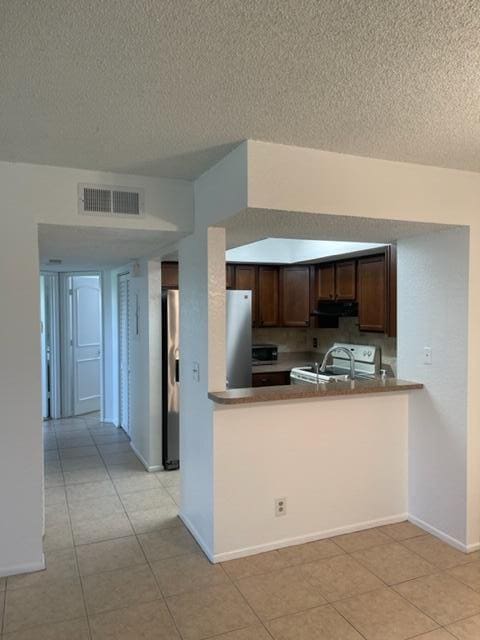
427	355
196	371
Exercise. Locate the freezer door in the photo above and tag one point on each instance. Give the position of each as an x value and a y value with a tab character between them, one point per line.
239	339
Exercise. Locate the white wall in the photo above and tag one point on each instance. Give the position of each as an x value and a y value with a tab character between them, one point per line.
282	178
145	358
21	451
433	312
341	464
49	195
34	194
219	193
202	311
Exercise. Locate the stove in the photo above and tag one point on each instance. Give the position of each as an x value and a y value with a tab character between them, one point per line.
367	365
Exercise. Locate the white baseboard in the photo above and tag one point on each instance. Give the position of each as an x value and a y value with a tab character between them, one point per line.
311	537
30	567
205	548
148	467
453	542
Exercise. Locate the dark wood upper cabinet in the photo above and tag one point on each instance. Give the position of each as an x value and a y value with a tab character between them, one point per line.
230	276
268	308
345	280
295	296
372	293
326	282
391	257
170	275
246	278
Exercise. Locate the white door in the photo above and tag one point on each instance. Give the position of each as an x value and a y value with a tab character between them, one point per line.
86	343
124	351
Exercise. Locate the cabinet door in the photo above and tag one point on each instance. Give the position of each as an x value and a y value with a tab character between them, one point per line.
270	379
372	294
230	276
345	280
170	275
246	278
268	296
295	296
326	282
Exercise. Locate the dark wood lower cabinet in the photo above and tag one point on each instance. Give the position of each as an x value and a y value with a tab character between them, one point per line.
275	378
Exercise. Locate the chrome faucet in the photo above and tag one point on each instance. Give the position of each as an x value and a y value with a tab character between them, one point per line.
345	350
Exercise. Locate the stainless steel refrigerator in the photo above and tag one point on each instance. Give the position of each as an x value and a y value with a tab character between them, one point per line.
239	339
170	379
238	361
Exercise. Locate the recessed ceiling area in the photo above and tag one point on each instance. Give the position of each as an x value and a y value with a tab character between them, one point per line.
168	88
96	248
288	250
251	225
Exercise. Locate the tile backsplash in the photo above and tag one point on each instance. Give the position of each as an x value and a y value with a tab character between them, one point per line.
289	340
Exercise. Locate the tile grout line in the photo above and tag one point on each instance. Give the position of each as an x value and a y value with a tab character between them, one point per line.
77	563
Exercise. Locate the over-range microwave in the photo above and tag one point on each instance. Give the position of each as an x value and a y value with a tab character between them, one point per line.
264	353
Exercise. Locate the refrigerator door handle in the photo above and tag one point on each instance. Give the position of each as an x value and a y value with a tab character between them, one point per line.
177	370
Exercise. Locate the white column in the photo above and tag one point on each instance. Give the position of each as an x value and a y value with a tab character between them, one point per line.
202	367
21	451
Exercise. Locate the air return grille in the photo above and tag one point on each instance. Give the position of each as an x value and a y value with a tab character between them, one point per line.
101	200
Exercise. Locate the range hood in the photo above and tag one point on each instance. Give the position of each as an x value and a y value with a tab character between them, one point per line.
336	309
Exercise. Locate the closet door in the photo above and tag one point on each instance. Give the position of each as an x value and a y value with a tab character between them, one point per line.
124	351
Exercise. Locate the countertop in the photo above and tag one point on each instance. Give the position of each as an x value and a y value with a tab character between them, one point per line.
324	390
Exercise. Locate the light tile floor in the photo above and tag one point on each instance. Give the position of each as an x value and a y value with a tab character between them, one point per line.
121	566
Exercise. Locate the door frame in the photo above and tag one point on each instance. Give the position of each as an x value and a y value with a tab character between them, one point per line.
66	340
126	274
51	301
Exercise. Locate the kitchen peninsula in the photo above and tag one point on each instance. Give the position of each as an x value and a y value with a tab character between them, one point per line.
336	454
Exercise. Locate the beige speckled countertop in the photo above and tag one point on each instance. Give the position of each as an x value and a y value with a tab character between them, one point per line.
324	390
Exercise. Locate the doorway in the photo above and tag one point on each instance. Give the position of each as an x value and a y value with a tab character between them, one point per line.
71	343
86	342
123	293
49	332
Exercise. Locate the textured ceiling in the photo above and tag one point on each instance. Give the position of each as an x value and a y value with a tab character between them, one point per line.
251	225
95	247
167	87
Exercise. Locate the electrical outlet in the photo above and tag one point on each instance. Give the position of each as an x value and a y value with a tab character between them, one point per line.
427	355
315	343
280	507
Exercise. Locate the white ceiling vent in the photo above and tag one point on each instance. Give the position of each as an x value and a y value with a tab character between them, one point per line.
103	200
